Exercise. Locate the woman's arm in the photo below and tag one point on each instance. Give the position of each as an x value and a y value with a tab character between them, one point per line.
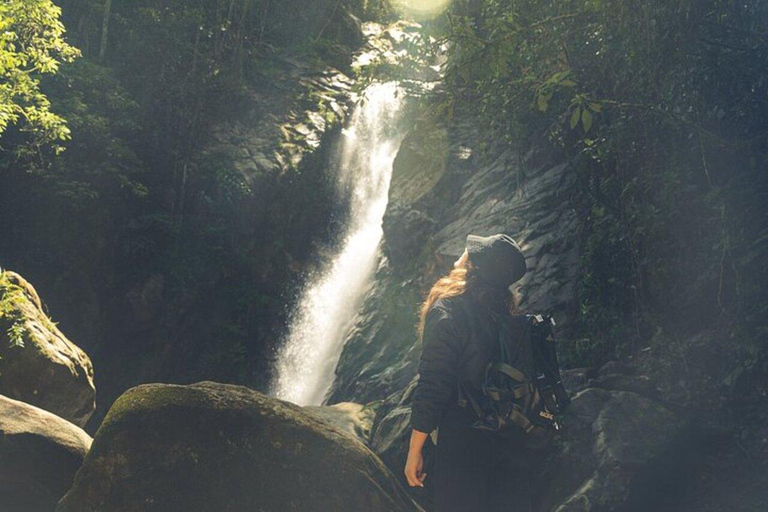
438	368
414	466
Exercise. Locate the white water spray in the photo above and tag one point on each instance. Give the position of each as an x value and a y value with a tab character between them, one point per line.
327	307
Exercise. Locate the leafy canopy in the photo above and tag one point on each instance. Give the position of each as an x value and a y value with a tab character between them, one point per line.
31	45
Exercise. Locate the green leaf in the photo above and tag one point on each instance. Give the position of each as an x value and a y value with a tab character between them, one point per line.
575	117
586	120
543	102
596	107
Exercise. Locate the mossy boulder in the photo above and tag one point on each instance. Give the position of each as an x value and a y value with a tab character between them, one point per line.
39	456
215	447
38	364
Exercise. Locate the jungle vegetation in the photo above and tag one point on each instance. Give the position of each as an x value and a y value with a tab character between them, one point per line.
661	108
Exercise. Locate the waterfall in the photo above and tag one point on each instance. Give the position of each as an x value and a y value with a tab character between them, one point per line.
330	301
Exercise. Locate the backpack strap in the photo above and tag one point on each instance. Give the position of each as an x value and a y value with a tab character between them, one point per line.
523	387
502	395
508	370
466	397
520	420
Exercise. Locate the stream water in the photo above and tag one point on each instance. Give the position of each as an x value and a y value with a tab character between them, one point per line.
330	300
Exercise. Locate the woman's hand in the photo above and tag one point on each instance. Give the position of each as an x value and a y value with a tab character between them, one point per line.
414	466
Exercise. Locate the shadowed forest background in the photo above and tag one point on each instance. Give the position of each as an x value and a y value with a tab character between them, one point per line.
165	185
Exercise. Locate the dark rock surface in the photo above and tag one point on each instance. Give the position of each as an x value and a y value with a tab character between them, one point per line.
676	425
277	147
612	447
349	417
380	354
38	364
613	440
576	379
39	456
441	191
391	434
213	447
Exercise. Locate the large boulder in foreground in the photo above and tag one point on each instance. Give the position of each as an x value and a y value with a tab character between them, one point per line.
39	456
214	447
38	364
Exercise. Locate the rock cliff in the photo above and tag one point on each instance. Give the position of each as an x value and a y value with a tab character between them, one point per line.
642	434
441	191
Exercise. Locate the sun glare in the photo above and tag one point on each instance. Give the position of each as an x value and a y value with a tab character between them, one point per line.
424	9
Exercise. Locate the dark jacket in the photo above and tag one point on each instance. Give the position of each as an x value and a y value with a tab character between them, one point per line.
460	339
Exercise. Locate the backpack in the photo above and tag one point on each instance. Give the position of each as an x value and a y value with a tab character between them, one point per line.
522	387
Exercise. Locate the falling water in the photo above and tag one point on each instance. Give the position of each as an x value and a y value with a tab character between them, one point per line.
306	363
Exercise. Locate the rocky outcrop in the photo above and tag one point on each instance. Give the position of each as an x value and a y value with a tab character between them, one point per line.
273	153
354	419
442	190
391	434
615	447
380	352
286	118
213	447
38	364
39	455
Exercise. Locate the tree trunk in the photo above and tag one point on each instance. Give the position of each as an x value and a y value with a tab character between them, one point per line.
105	29
263	20
241	32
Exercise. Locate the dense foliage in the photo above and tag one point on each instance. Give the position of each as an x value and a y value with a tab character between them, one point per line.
31	45
163	260
662	108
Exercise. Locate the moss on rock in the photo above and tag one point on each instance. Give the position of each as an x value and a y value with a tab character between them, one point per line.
213	447
38	364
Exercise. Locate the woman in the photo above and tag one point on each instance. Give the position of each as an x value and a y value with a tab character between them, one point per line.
475	470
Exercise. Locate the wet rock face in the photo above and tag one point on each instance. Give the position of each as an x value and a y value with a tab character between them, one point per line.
391	436
213	447
38	364
616	449
616	446
525	197
440	192
380	356
39	456
408	229
354	419
287	117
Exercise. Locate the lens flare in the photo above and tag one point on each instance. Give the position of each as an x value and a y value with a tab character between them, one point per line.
423	9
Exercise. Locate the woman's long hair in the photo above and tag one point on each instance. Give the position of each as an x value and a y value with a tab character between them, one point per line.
463	279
